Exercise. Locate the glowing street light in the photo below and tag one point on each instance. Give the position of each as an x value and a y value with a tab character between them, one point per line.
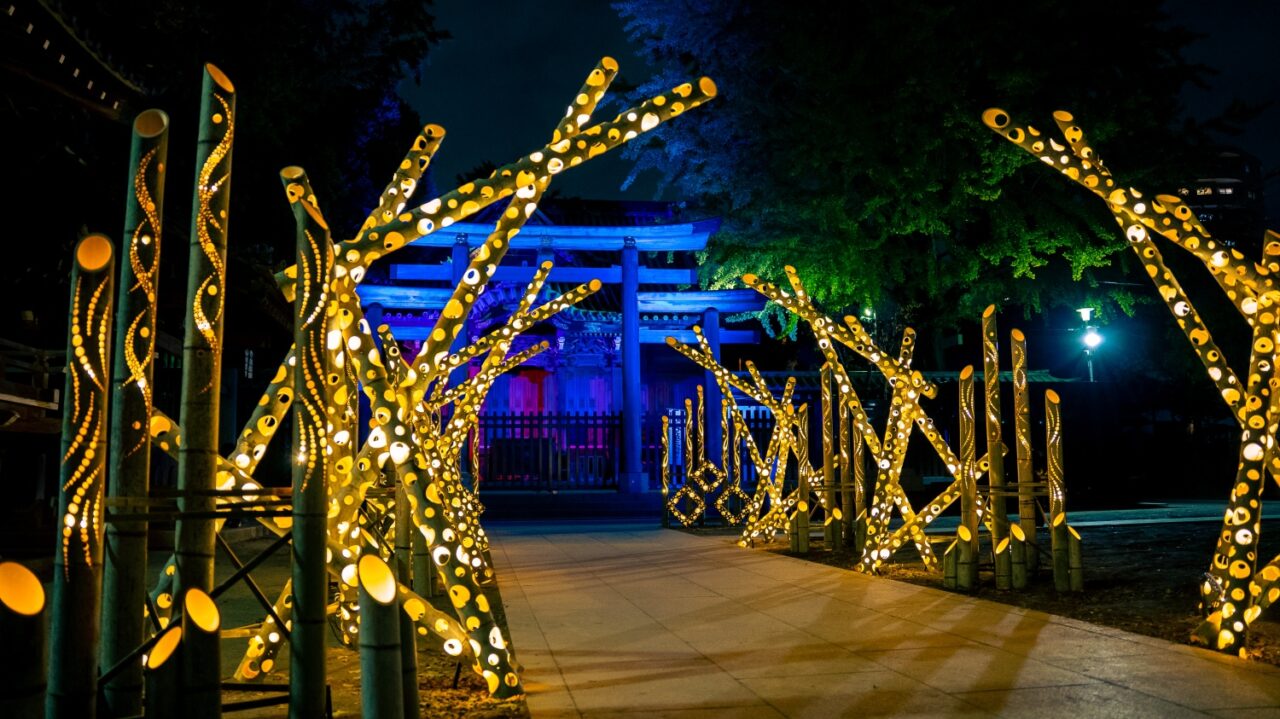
1091	338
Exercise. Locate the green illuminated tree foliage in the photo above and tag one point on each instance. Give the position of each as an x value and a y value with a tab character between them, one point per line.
848	142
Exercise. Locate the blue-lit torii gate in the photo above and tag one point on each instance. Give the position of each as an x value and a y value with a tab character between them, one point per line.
646	317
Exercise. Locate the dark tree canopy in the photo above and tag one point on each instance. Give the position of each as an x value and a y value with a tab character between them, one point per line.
316	86
847	142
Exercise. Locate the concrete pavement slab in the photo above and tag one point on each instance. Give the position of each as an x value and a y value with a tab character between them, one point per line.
625	620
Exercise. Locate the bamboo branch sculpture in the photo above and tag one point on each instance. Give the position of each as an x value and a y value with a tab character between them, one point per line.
777	507
342	511
1235	591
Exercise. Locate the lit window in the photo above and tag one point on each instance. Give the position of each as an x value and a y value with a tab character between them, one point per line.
1204	190
1225	190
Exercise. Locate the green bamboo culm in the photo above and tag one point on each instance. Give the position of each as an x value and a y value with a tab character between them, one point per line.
124	571
202	338
404	574
314	371
967	532
199	662
77	566
381	693
22	605
161	674
1058	534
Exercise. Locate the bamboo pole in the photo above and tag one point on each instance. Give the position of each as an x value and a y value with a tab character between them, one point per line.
200	664
859	461
1075	560
949	565
162	698
128	479
311	409
404	570
22	604
831	533
1022	433
995	473
381	693
1057	493
77	568
202	340
846	480
967	533
800	523
1018	557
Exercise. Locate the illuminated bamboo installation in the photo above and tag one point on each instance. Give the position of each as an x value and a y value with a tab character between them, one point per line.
417	440
22	624
202	342
1235	592
160	673
200	655
772	509
125	567
314	375
77	567
1026	476
995	472
967	532
832	533
381	693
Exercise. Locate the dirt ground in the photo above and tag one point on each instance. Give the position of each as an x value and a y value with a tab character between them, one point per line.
1142	578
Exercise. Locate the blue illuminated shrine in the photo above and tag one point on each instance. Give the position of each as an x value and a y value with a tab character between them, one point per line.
580	412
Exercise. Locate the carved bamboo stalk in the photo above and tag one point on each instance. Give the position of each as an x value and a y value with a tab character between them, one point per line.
77	565
202	340
1058	537
312	407
995	473
128	479
967	532
1022	435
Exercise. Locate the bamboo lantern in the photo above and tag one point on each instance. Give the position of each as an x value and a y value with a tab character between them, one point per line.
995	473
967	533
381	693
160	673
831	530
1058	536
200	664
404	531
311	456
77	568
202	338
124	572
22	622
1022	435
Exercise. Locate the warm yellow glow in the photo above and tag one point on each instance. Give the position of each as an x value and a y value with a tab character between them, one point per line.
201	610
151	123
164	647
20	589
377	579
93	253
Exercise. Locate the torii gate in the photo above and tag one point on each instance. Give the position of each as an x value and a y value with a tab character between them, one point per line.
629	241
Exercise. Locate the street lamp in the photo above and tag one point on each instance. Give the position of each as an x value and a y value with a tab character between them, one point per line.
1092	338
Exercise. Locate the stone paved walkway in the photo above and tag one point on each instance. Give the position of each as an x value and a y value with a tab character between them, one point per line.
631	620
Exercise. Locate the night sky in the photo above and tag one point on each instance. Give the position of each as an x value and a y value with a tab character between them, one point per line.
501	83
